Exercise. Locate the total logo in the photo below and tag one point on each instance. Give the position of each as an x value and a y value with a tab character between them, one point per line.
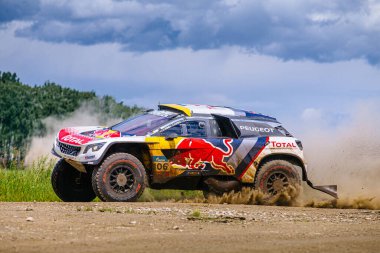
72	139
275	144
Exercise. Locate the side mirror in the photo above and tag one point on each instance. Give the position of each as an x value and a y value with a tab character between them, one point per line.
171	136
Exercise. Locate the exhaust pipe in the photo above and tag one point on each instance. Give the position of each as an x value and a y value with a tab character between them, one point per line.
222	186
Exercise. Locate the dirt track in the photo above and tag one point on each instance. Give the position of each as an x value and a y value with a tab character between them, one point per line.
178	227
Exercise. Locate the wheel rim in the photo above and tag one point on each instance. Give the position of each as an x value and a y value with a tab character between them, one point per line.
121	179
277	182
77	180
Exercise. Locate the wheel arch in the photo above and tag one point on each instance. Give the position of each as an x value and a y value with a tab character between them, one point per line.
139	150
287	157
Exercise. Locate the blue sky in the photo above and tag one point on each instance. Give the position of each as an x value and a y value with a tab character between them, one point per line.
296	60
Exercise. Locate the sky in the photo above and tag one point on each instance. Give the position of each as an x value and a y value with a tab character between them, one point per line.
300	61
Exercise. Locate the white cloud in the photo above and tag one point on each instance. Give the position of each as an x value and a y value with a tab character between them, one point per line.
323	31
227	76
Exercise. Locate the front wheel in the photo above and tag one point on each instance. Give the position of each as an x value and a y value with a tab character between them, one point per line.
71	185
276	177
121	177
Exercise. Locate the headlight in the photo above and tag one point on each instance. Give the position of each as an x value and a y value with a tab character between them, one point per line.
94	147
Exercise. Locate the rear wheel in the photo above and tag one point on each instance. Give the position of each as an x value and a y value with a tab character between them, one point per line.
276	177
71	185
121	177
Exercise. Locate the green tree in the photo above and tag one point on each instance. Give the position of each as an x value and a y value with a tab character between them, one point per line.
23	107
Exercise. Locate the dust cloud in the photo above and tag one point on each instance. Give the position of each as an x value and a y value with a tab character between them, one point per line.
250	196
85	115
347	155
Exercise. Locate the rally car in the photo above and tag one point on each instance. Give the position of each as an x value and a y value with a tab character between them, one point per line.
192	147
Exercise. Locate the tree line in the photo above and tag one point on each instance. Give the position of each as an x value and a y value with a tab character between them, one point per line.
23	108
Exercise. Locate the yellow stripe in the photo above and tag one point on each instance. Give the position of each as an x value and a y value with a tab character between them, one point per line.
181	108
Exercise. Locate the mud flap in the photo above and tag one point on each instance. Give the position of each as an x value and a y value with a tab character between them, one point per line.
77	165
328	189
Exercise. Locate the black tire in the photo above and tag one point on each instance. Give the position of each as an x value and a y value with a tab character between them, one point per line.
121	177
276	176
71	185
94	187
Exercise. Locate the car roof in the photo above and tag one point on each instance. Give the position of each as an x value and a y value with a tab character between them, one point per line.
198	110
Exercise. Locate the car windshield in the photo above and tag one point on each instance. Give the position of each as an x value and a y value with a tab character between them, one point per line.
143	123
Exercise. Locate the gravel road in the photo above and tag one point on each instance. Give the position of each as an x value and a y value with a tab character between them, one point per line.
182	227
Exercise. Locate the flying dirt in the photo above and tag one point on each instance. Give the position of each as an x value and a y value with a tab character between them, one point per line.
348	155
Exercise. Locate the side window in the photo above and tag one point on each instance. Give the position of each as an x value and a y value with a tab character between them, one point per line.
251	128
188	129
196	128
215	129
177	129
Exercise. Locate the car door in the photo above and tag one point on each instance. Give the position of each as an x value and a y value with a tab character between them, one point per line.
234	154
224	140
246	146
182	149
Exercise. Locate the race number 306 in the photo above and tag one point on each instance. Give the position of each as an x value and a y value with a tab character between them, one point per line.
161	166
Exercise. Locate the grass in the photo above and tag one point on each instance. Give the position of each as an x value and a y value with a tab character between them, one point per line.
196	214
32	183
27	184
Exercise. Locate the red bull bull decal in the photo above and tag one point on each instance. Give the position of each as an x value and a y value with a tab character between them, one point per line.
196	153
106	133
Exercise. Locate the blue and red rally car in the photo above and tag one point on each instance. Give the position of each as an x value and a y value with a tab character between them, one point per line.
194	147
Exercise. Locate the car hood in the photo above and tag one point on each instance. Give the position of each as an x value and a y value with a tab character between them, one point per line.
82	135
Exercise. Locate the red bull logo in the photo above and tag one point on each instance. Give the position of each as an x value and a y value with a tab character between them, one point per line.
106	133
197	152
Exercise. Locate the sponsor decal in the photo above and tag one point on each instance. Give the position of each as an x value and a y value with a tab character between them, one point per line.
193	173
70	130
72	139
159	159
106	133
205	152
257	129
69	136
275	144
246	164
161	166
89	157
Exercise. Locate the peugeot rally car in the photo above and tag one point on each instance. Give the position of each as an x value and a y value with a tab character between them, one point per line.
193	147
